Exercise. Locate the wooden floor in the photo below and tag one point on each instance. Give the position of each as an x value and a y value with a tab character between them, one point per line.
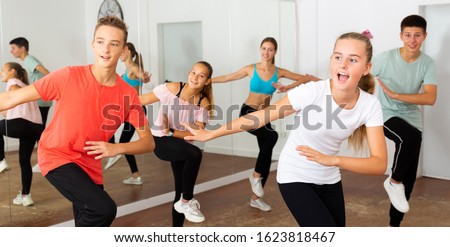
366	201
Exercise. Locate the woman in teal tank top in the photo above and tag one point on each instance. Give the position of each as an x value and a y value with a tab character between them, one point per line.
264	77
135	76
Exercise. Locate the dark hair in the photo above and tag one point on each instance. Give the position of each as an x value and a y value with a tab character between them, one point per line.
273	41
20	42
414	21
21	73
366	83
113	22
207	90
135	56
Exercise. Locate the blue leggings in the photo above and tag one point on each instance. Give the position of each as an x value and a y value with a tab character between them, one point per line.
315	205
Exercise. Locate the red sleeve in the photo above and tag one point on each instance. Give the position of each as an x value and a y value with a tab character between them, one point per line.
50	86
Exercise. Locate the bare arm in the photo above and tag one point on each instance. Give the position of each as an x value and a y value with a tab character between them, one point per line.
16	97
144	76
148	98
243	72
102	149
42	69
297	78
375	164
254	120
427	97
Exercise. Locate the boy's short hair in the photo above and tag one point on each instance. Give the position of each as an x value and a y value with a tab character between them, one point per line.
113	22
20	42
414	21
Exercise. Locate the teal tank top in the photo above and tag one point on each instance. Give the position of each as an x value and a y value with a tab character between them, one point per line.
258	85
133	83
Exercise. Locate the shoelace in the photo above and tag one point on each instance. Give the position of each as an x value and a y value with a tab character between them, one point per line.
194	205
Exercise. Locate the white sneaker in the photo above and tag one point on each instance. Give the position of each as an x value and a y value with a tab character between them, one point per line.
36	169
396	193
260	204
24	200
4	166
191	210
112	161
256	185
132	180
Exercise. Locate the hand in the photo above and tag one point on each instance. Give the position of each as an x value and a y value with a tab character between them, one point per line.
391	94
147	77
100	149
165	127
312	78
316	156
280	87
198	133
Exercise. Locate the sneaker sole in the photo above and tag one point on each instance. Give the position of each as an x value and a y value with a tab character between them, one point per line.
180	210
132	183
5	169
256	206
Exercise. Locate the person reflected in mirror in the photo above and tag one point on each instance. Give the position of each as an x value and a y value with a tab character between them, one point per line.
308	171
23	122
35	70
92	101
134	75
406	80
264	76
190	102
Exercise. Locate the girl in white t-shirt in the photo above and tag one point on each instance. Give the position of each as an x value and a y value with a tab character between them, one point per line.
23	122
327	112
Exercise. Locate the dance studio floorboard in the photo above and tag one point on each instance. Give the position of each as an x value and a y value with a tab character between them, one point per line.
366	201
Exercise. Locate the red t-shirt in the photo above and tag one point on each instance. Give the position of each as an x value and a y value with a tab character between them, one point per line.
85	110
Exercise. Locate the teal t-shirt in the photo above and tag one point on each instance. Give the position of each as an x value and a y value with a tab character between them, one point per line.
30	64
404	78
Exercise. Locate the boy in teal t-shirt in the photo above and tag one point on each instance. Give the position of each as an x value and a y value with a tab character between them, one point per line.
406	79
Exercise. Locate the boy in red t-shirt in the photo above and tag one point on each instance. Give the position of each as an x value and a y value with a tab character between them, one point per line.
92	101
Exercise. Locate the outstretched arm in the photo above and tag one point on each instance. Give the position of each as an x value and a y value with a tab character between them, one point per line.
297	78
254	120
148	98
375	164
243	72
144	76
13	98
427	97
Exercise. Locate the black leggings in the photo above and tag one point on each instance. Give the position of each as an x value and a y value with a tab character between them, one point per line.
127	134
408	140
267	138
92	206
28	133
185	159
315	205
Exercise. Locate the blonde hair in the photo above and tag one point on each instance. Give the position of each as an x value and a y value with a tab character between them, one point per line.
366	83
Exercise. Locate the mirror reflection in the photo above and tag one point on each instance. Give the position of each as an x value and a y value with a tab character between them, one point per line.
168	45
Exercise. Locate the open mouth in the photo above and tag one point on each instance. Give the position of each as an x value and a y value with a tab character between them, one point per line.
342	76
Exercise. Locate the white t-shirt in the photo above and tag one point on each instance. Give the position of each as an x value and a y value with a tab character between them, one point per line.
321	124
29	111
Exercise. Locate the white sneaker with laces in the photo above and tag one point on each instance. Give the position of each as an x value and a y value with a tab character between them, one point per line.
260	204
396	193
256	185
112	161
24	200
191	210
133	180
36	169
4	166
